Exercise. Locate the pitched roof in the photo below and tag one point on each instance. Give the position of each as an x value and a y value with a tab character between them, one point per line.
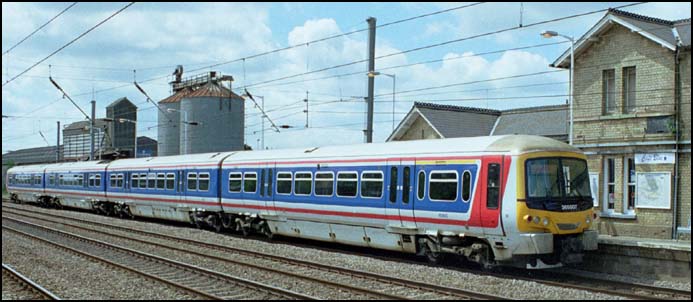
208	90
659	31
449	121
545	121
120	100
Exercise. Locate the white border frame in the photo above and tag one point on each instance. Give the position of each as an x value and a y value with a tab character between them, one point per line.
355	180
457	186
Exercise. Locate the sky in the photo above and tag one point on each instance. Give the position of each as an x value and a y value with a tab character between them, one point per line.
152	38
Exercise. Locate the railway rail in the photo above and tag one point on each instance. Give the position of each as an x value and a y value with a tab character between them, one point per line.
203	282
287	266
23	287
552	278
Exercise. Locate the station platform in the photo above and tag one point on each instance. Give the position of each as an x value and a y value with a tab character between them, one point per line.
654	259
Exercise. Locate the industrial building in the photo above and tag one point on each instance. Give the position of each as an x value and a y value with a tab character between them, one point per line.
123	116
202	115
77	139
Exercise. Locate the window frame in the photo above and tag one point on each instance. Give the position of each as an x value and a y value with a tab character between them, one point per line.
187	181
240	179
629	182
469	185
356	180
284	179
245	176
172	177
629	94
382	185
303	179
608	182
430	179
315	184
203	176
605	92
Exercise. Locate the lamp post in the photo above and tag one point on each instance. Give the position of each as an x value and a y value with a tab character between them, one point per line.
185	131
550	34
394	81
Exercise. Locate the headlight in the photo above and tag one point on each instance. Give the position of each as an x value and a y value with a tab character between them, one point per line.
536	219
588	220
546	221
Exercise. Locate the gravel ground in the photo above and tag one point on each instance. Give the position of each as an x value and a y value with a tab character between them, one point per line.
73	277
514	289
659	283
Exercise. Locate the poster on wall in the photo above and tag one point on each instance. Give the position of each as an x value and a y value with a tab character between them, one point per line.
653	190
594	187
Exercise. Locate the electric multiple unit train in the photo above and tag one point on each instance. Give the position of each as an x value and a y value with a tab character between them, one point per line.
500	200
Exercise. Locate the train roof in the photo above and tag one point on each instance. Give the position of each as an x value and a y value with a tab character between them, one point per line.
175	160
78	166
29	168
502	144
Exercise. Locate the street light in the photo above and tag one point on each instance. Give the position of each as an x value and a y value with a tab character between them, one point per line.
185	131
394	79
550	34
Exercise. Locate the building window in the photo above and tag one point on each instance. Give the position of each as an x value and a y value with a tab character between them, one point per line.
610	181
629	175
609	91
629	89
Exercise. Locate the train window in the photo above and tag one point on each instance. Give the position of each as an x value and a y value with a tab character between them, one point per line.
192	181
442	186
170	181
119	180
135	180
160	181
372	184
51	179
91	179
493	186
37	179
97	180
143	180
406	184
151	180
113	181
80	180
262	182
393	184
303	183
270	180
324	183
61	180
466	185
235	180
250	182
284	183
347	184
421	186
204	182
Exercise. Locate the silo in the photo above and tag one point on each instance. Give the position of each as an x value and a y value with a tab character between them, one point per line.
169	125
218	116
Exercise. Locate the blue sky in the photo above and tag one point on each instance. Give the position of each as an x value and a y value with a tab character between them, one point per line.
153	38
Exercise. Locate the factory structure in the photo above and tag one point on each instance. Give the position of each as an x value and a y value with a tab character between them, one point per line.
201	115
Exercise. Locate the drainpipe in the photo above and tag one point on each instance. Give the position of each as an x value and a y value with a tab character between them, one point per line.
677	109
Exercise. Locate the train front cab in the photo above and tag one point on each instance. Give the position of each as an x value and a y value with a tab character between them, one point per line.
553	210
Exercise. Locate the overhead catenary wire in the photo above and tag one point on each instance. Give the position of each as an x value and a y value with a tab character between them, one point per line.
39	28
69	43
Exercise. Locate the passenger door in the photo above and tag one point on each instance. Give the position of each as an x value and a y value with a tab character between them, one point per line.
492	177
400	197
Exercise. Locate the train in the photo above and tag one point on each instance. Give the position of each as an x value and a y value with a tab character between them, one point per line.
514	200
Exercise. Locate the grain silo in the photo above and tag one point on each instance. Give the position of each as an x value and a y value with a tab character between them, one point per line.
205	116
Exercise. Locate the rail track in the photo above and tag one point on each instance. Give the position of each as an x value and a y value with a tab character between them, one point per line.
203	282
22	287
551	278
360	282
